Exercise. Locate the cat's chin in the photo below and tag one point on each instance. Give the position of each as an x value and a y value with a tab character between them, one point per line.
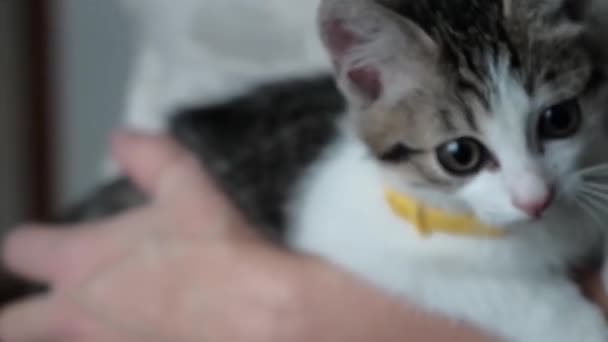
512	224
523	224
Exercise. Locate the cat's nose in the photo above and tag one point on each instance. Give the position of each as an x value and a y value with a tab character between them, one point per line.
535	207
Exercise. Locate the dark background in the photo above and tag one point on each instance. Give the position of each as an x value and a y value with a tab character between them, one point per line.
64	66
26	142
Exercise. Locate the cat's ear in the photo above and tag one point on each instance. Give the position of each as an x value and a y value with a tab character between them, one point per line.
368	44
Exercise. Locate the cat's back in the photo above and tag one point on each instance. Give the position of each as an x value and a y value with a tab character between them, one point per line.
257	146
260	144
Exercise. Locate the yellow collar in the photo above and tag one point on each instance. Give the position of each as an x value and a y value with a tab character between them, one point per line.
428	221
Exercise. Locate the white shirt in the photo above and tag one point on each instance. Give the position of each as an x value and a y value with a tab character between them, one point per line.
200	51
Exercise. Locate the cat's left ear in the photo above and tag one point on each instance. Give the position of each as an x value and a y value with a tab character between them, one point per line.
371	46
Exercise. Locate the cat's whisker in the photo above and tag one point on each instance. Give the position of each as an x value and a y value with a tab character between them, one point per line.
597	176
581	203
598	200
594	218
598	187
595	168
601	179
595	179
588	208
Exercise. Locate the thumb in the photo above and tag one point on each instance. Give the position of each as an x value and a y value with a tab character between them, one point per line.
146	158
172	176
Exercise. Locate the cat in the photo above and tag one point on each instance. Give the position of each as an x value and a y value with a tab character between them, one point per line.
486	109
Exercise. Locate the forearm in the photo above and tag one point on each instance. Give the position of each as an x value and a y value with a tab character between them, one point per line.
362	313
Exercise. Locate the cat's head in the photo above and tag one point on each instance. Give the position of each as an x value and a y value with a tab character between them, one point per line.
487	106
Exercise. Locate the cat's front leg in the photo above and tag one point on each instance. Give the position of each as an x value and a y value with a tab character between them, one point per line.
526	310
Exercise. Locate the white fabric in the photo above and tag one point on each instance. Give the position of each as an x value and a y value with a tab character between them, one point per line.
197	51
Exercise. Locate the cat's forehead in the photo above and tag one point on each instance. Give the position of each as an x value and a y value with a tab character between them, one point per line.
542	50
500	63
477	23
471	33
464	20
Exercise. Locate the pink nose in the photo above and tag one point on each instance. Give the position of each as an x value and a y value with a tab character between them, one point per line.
535	207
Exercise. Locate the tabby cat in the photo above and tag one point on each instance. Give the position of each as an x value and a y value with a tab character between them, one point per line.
454	159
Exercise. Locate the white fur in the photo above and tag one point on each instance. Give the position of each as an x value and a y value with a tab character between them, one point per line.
504	285
526	173
516	287
523	174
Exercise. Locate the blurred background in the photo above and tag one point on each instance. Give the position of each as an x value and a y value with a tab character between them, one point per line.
72	70
63	72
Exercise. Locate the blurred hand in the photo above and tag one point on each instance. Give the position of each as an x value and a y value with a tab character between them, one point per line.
594	289
186	267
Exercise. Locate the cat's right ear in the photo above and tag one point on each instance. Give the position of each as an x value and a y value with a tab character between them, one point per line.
369	44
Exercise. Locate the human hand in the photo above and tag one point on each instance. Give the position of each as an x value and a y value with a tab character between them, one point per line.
187	268
593	288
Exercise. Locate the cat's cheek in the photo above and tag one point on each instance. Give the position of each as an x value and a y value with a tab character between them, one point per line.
490	200
562	158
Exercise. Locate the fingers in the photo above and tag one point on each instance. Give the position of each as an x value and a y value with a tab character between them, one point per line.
160	166
39	319
175	179
30	252
60	255
146	158
59	319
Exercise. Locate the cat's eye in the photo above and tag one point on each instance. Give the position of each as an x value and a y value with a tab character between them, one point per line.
462	157
560	121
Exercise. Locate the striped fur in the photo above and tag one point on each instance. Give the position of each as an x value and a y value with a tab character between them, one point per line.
443	66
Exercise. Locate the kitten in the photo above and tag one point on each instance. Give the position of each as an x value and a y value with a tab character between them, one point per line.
488	108
492	108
